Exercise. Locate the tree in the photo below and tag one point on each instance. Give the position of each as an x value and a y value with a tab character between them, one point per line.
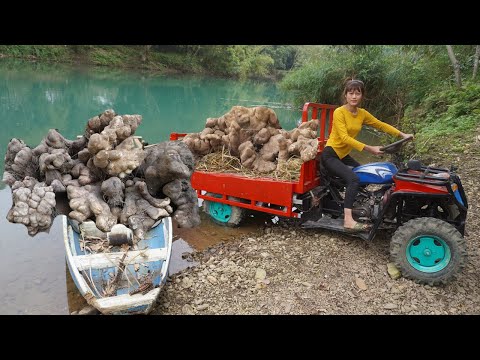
456	65
475	61
146	50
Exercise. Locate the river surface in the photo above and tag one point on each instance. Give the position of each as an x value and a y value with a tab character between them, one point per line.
36	97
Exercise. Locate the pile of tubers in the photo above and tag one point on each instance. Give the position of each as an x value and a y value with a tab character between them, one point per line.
255	136
107	174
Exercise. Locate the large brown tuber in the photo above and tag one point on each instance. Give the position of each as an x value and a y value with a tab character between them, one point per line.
138	213
169	166
46	162
99	122
19	162
255	136
96	172
122	160
113	147
33	205
166	162
87	202
232	129
112	190
185	199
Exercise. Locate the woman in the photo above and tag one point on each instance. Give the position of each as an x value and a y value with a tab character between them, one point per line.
347	123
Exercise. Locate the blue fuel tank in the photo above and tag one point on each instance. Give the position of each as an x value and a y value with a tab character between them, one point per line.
376	173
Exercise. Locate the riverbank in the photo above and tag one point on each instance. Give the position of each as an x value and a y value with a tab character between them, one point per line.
279	269
117	56
164	60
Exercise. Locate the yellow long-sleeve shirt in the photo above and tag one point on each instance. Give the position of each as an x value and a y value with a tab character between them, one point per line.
346	127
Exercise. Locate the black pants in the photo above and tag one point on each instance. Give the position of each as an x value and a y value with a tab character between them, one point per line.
340	168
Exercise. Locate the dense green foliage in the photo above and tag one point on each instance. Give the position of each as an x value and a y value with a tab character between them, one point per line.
388	73
411	87
444	117
238	61
51	52
243	61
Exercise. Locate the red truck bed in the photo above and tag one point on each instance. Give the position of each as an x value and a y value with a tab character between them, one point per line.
265	194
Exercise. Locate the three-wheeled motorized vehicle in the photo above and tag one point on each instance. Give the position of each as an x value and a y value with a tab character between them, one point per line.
425	207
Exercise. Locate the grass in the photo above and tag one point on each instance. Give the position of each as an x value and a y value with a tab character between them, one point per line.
445	121
38	52
119	56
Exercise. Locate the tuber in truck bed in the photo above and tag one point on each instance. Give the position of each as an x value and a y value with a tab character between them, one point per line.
283	198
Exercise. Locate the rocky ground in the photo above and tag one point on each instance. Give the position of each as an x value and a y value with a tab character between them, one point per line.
281	269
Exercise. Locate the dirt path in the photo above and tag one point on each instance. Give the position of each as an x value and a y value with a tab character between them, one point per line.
280	269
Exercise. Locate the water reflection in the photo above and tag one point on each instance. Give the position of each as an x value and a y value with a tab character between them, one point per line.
181	257
35	98
32	276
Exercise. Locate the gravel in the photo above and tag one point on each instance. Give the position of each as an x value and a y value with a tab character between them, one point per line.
288	270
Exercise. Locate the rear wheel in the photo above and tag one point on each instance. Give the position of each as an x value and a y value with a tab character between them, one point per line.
223	214
428	250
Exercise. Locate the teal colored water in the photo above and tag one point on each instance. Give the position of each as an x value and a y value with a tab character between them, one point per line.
37	97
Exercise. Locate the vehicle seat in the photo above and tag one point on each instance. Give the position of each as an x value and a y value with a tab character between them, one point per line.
414	165
327	177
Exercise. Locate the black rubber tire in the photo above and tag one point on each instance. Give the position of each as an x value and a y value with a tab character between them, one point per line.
426	226
236	217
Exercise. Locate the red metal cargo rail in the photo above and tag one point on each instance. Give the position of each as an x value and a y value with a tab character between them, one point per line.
266	194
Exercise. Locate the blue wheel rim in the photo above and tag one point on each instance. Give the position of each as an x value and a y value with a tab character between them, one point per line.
428	253
220	212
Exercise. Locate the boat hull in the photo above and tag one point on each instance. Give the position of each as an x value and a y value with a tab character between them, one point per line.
93	272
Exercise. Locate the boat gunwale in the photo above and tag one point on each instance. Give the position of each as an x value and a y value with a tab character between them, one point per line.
96	302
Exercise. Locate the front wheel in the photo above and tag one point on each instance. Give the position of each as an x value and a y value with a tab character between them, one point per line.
223	214
428	250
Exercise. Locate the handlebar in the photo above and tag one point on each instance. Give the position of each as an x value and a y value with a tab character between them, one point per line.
394	147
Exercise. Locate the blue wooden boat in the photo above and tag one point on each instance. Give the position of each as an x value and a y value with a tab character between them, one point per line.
119	279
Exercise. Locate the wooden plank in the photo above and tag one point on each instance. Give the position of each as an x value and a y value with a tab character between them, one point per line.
82	286
118	304
106	260
123	302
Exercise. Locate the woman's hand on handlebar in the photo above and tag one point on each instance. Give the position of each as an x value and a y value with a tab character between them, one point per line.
406	136
375	150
